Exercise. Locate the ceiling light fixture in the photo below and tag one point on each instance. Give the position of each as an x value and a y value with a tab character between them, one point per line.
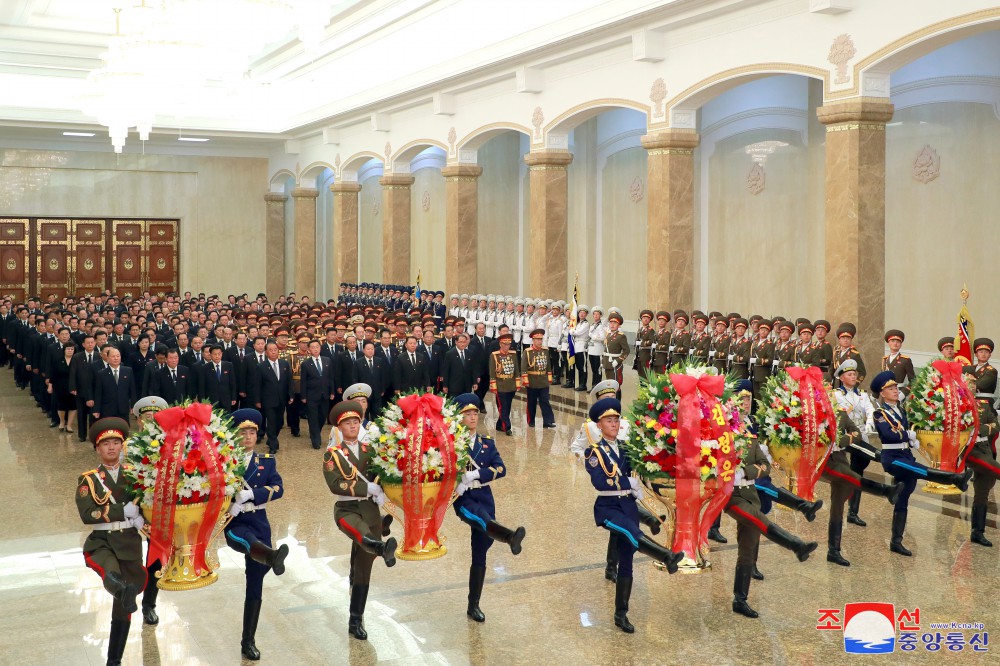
192	138
79	134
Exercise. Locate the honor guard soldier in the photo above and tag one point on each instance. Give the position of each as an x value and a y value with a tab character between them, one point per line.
615	507
700	339
859	408
946	346
553	334
739	350
644	343
983	462
985	374
249	532
847	351
475	505
346	468
113	549
784	348
899	364
536	377
803	351
761	356
897	459
581	340
595	347
616	350
822	349
505	381
661	342
680	339
719	350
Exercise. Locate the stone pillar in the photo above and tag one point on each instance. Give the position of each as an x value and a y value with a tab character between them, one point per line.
670	219
345	232
855	219
274	244
547	253
396	228
305	241
461	245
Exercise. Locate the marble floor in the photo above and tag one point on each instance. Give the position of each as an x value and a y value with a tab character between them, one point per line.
550	604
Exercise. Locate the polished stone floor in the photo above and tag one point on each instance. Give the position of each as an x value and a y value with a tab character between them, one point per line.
548	605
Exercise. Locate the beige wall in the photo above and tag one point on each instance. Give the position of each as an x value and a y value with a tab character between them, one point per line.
219	201
500	159
623	234
427	228
370	230
942	234
581	210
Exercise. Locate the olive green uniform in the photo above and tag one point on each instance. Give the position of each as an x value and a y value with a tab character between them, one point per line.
347	477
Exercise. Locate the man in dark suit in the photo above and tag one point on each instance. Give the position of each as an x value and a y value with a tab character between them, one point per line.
370	369
188	355
151	371
248	372
459	368
432	354
412	370
81	384
346	366
272	384
114	388
480	346
217	381
318	382
174	382
386	351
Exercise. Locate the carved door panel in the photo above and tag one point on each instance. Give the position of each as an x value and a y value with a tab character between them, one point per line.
52	256
161	257
128	255
88	264
15	273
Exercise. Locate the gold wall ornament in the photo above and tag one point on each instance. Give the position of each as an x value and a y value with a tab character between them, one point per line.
88	264
161	263
53	231
88	232
161	232
128	264
53	264
11	231
11	264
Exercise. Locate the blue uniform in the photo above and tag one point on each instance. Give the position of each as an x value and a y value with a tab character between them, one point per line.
476	506
892	426
263	479
616	512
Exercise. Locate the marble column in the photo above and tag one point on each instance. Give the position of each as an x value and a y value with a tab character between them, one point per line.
461	245
548	250
345	232
396	229
304	202
274	244
670	219
855	219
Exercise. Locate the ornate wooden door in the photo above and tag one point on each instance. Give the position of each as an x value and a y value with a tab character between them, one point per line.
53	251
15	273
128	257
88	265
162	254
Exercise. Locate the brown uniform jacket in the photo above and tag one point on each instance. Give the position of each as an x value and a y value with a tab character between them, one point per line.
615	348
851	353
661	348
823	357
504	374
645	339
720	352
681	342
763	351
535	370
101	500
343	472
901	367
739	350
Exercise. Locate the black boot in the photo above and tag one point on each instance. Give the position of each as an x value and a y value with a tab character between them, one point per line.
960	481
979	526
251	613
786	539
386	522
754	571
384	549
833	544
149	615
611	569
898	527
124	592
659	553
512	538
623	591
648	519
569	383
274	558
356	622
117	640
714	534
890	492
853	505
476	577
796	503
741	588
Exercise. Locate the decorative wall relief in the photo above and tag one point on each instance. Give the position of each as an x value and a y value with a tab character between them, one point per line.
388	152
841	52
452	138
636	190
425	201
537	118
756	179
926	165
658	93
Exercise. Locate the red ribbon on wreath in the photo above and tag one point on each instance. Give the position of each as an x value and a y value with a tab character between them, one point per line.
426	429
957	400
176	423
817	415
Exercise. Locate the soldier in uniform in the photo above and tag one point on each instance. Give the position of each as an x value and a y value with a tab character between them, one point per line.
615	507
858	406
505	381
535	378
595	347
661	342
113	549
553	335
700	339
784	348
616	350
803	351
985	374
822	356
719	350
644	343
847	351
899	364
475	505
739	350
946	346
249	532
897	460
346	469
761	356
983	462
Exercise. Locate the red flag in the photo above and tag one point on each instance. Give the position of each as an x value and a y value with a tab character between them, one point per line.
966	333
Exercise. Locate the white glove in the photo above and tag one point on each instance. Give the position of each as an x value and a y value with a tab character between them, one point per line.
374	490
379	499
138	522
131	510
461	488
235	509
244	496
470	476
634	482
637	492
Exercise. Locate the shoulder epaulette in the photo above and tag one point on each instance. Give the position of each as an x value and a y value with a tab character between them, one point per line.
265	455
903	356
90	471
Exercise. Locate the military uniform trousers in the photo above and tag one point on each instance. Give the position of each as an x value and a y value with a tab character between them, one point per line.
104	560
620	516
504	401
358	519
985	473
595	369
240	535
555	362
905	469
476	507
844	481
539	398
744	508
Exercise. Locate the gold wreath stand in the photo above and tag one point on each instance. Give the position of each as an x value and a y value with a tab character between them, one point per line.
429	492
931	443
178	574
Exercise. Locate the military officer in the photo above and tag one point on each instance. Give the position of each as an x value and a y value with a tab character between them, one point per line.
700	339
897	440
983	462
680	339
761	355
595	346
985	374
644	343
718	352
113	549
739	350
946	346
615	507
858	406
475	505
616	350
505	381
661	342
535	378
822	356
784	348
553	335
846	350
803	351
900	364
249	532
357	514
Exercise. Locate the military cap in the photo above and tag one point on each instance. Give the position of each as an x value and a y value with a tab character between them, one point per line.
663	314
733	315
744	388
948	341
608	387
755	318
518	301
557	305
108	428
765	323
715	313
454	296
824	323
846	366
847	328
491	298
247	418
616	316
348	409
509	337
680	314
465	296
149	404
303	336
740	321
281	330
982	343
882	380
805	326
597	308
582	307
537	332
702	317
645	313
786	325
802	320
467	402
604	407
539	303
359	390
894	333
371	327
